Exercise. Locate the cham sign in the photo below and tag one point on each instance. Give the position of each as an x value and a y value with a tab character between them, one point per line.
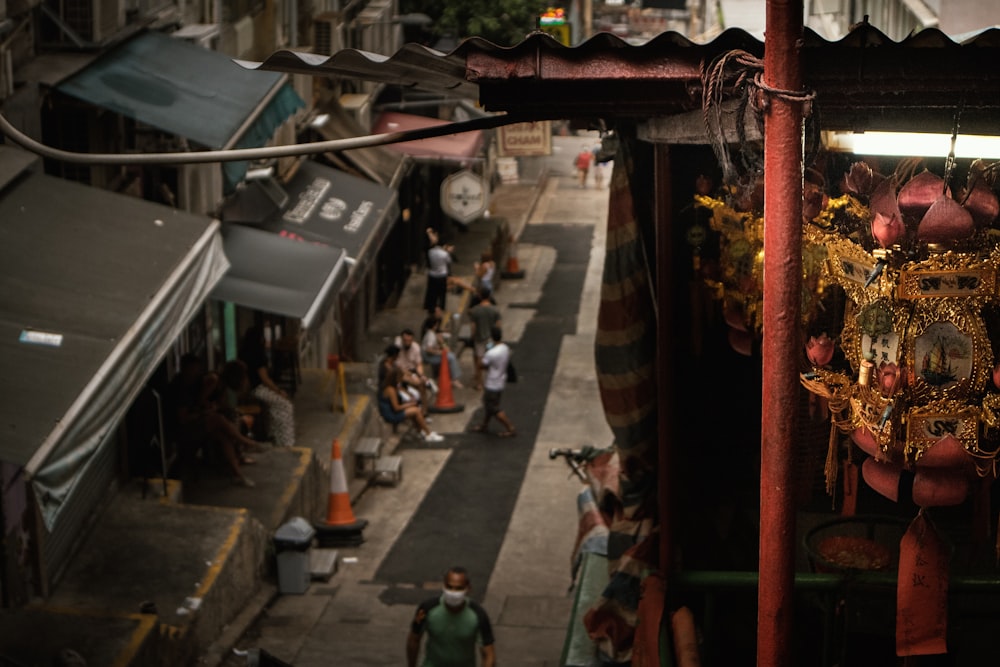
525	139
463	196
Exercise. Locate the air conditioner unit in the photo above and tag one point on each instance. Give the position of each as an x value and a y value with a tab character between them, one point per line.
205	35
244	35
93	20
328	34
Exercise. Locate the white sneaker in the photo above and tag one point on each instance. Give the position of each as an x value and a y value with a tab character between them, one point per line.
432	385
433	437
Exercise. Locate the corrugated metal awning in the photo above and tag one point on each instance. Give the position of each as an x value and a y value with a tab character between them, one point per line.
863	81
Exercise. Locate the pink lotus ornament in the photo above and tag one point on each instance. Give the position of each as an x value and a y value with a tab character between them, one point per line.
887	230
889	378
918	194
982	204
946	220
861	179
819	350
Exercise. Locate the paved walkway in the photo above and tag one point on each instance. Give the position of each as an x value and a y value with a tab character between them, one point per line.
158	575
358	618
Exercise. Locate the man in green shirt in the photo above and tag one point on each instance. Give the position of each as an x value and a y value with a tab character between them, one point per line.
454	625
484	316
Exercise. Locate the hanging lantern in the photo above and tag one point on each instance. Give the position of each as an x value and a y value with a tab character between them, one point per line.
920	397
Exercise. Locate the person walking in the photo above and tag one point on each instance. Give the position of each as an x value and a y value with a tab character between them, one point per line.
454	625
483	316
582	163
495	363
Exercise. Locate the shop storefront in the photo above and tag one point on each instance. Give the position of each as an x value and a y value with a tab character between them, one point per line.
324	212
96	289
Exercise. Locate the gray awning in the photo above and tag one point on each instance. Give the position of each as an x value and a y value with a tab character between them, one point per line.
276	274
326	206
96	286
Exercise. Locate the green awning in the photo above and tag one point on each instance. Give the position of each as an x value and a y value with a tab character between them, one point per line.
189	91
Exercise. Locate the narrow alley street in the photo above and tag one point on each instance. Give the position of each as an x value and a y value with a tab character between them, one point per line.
497	506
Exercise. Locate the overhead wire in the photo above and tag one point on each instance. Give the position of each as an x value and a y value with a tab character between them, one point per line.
261	153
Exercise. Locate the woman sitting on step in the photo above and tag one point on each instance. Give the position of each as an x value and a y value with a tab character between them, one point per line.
395	410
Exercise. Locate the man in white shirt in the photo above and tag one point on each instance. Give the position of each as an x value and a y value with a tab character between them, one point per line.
438	269
495	362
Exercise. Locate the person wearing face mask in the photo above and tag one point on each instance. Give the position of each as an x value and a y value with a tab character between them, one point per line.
454	624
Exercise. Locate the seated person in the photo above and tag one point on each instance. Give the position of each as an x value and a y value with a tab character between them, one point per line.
280	410
222	430
184	421
433	345
395	409
411	362
388	361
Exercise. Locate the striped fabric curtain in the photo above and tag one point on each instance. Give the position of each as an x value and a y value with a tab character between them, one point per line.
625	352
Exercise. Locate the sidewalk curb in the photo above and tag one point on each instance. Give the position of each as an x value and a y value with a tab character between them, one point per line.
219	650
542	183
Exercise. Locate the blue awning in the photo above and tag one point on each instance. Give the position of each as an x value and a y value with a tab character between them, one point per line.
187	90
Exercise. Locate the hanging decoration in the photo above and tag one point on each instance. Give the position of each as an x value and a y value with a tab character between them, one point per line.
918	265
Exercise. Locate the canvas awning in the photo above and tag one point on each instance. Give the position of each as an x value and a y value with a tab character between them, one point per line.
462	147
95	289
187	90
277	274
328	207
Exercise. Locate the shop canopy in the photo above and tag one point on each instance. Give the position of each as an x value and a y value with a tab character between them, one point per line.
323	206
461	147
95	289
189	91
281	275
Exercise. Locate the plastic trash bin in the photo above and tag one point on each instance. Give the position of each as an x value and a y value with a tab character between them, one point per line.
292	546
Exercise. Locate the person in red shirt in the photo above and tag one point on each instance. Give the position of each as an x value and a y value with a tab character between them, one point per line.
583	160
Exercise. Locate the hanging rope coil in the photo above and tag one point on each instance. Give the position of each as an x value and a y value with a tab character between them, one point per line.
743	74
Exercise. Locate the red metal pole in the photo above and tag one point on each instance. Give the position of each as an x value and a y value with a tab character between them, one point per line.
780	347
668	432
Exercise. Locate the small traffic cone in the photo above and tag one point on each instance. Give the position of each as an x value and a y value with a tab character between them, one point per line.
513	269
445	402
340	528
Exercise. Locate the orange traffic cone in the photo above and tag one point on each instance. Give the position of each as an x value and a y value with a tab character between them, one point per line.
340	528
513	269
445	402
